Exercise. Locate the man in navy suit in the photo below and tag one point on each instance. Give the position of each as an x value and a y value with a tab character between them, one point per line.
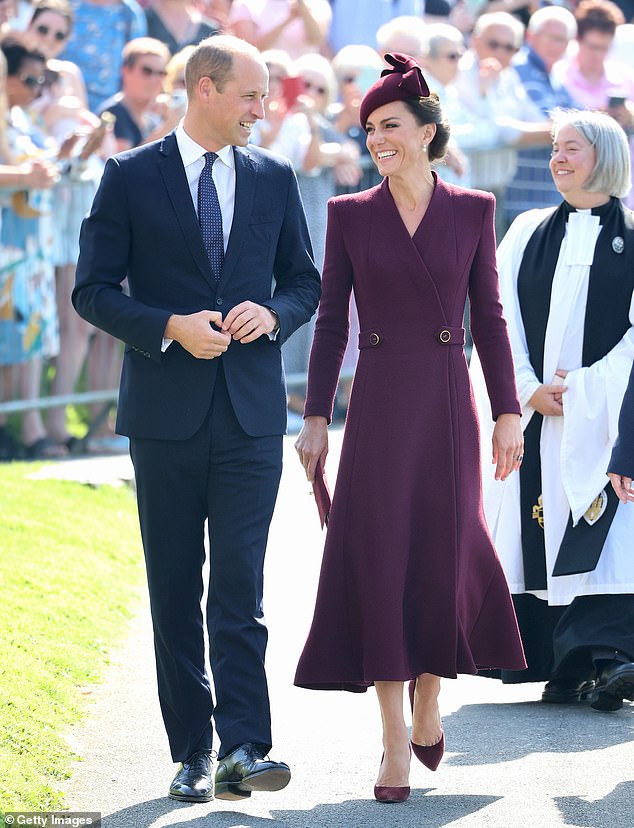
202	396
622	460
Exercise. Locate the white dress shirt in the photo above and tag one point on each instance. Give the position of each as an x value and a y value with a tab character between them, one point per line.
224	176
223	173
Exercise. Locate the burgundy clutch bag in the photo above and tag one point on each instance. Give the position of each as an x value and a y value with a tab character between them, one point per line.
322	494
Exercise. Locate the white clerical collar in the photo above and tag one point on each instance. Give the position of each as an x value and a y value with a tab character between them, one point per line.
582	230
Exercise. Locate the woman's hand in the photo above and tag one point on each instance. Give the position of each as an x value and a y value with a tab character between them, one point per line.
508	445
548	399
39	174
312	444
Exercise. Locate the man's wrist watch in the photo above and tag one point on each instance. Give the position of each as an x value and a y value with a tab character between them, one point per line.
277	319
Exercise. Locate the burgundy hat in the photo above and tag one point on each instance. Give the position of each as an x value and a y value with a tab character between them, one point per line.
404	81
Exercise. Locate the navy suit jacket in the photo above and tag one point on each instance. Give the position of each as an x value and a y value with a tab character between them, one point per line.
143	225
622	460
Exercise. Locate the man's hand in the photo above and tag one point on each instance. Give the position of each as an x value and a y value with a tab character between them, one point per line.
456	160
489	70
622	486
196	334
247	322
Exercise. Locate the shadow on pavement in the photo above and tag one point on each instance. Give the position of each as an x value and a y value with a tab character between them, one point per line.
356	813
483	734
597	814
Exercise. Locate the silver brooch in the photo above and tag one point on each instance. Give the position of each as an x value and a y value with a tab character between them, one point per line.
618	245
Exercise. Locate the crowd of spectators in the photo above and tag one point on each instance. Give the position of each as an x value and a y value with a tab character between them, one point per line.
82	79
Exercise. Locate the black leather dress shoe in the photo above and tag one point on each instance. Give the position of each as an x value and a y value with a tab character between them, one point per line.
247	769
194	781
567	691
615	683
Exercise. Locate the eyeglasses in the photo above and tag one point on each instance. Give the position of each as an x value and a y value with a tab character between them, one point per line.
494	45
44	31
149	72
599	48
454	57
32	82
320	90
349	79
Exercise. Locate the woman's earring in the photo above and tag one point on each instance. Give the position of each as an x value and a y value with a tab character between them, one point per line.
424	147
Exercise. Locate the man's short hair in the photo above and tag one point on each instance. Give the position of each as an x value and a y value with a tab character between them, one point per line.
437	34
139	46
500	19
213	58
546	14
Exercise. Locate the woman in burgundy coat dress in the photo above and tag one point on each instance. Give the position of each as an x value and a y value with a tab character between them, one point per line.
410	587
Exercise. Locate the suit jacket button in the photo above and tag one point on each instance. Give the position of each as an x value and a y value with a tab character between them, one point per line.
219	302
374	339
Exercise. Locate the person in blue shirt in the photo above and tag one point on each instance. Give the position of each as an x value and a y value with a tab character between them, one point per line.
100	31
549	31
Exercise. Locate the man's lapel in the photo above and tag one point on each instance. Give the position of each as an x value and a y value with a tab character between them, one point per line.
245	191
173	172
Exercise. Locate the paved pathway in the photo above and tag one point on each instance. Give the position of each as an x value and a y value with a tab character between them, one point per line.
511	761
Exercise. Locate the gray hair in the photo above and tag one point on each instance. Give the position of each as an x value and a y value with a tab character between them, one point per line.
401	34
355	57
436	34
611	173
500	19
312	62
548	13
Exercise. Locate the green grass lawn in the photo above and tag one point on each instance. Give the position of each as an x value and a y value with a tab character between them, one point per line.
71	573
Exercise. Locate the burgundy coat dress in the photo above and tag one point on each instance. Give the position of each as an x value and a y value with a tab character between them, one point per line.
410	581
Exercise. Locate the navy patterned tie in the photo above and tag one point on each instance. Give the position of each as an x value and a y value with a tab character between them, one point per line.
210	217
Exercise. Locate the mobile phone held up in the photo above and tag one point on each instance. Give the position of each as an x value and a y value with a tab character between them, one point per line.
292	87
616	99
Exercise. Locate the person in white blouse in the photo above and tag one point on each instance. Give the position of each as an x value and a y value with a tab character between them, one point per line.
565	541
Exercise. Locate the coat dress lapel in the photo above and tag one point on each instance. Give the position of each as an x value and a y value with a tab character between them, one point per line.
422	278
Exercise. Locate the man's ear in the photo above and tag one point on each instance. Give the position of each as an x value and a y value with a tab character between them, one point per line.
206	88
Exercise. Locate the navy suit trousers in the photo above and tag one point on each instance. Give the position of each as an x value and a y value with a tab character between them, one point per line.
230	478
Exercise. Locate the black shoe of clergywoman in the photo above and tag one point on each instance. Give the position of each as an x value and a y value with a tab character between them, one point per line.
194	780
615	683
567	691
247	769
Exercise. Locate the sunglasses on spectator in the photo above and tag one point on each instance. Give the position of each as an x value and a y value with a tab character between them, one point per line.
149	72
454	57
32	82
320	90
45	30
495	44
349	79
